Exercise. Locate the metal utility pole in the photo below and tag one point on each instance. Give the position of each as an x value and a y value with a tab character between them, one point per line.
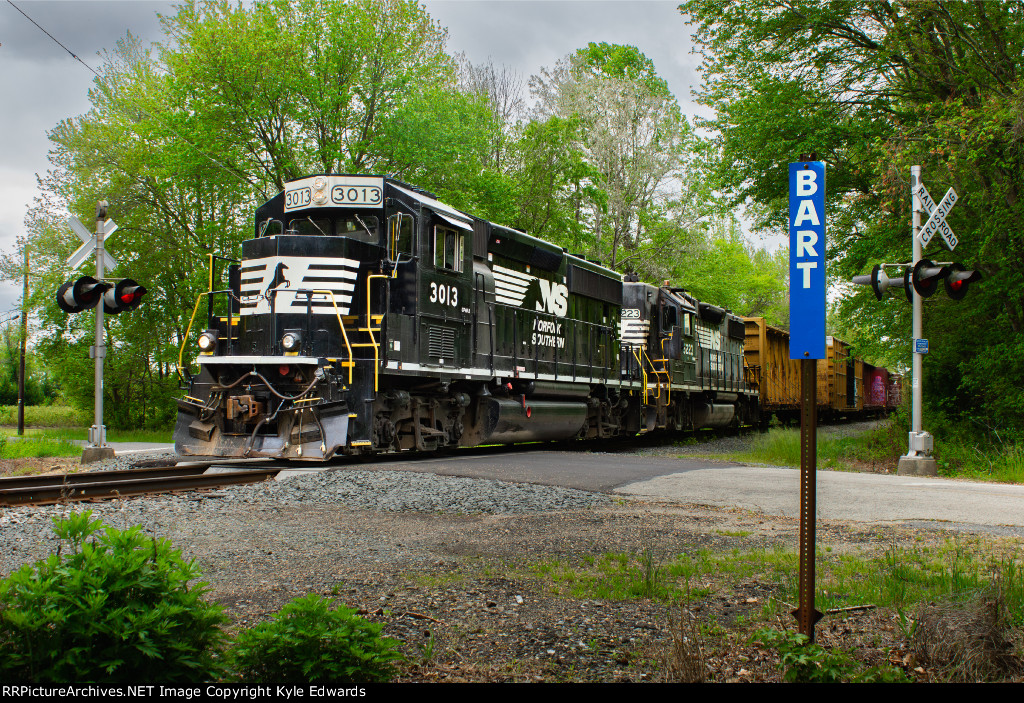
918	459
98	450
24	343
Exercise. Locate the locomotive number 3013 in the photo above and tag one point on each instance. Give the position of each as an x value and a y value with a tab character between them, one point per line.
446	295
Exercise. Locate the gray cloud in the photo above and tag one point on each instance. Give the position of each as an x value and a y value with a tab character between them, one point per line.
85	28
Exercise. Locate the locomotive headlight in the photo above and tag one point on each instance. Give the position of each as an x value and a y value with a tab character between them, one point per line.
207	341
320	191
291	341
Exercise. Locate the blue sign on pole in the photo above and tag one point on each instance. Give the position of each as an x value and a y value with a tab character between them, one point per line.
807	260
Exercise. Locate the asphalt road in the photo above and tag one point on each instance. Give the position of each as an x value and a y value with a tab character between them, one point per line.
859	497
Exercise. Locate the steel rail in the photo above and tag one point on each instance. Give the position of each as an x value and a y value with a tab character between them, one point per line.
127	483
98	476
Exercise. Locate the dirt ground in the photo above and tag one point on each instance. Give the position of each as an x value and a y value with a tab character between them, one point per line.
471	597
470	600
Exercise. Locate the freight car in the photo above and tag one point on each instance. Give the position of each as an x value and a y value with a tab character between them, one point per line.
848	387
367	316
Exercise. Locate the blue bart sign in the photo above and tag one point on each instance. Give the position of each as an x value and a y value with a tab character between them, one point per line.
807	260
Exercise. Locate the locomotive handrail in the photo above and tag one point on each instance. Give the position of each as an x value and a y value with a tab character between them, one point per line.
369	327
341	324
643	371
211	257
184	340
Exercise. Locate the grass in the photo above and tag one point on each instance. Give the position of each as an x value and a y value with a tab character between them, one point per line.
41	442
782	447
985	461
897	577
41	416
82	433
37	446
956	456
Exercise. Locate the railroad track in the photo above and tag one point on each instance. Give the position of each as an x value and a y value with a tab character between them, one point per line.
101	485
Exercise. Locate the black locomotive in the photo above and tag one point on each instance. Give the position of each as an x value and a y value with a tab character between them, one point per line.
367	316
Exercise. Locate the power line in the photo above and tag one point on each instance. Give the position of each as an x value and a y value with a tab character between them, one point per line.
73	54
241	177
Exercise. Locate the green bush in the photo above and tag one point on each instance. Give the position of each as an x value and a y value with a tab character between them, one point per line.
307	642
806	662
117	609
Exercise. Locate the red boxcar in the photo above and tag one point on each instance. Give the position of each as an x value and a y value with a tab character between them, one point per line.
895	391
876	387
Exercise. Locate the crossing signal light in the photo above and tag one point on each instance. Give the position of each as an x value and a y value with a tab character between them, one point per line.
957	279
879	282
926	277
83	294
126	294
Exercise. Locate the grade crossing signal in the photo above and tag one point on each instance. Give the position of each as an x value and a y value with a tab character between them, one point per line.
927	276
83	294
879	281
126	294
957	279
923	277
86	293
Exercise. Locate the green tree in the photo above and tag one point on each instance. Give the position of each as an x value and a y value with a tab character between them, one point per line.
619	121
874	88
727	271
186	138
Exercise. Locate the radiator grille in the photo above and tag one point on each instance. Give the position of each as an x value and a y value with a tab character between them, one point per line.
440	343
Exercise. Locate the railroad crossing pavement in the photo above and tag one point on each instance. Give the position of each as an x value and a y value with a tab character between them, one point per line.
858	497
133	447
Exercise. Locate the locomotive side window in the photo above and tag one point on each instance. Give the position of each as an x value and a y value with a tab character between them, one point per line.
669	318
306	226
449	248
361	227
399	235
687	324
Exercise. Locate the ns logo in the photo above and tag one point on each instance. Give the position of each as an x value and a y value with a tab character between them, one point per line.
554	298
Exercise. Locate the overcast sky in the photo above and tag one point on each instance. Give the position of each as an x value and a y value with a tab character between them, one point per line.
42	84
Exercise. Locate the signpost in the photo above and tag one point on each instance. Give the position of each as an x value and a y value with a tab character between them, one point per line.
97	450
807	343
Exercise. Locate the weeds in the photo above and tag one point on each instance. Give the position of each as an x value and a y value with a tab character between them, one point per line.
805	662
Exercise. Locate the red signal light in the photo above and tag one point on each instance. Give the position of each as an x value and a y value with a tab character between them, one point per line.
956	285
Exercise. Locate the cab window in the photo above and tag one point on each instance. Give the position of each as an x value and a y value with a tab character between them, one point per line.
310	226
449	247
361	227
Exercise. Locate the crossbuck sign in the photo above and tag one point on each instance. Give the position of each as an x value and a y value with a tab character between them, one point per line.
85	251
937	217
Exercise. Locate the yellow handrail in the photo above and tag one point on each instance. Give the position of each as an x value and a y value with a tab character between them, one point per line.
643	371
344	334
369	327
184	339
